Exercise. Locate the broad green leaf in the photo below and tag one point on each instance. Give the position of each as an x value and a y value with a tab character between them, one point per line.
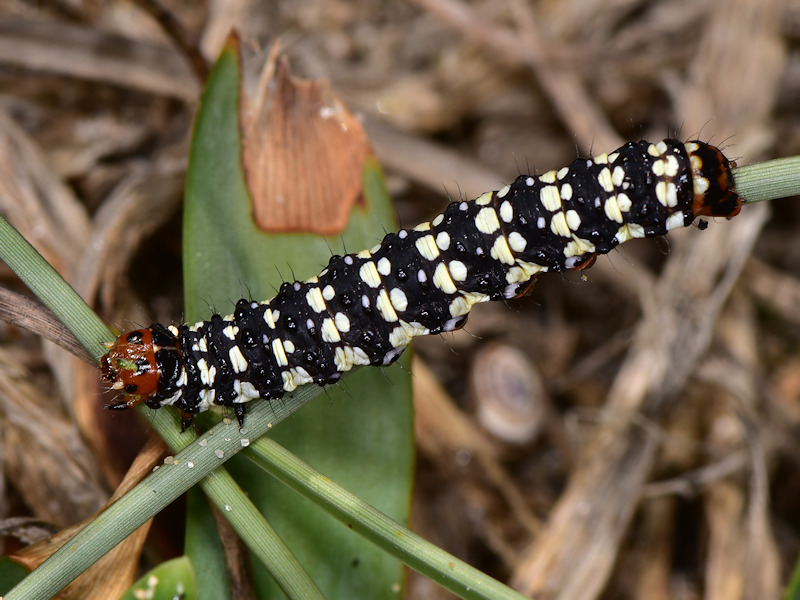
11	573
358	433
170	580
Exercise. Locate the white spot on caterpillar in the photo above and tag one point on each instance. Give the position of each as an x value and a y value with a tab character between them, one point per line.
500	251
601	160
365	301
202	345
300	376
441	279
340	359
673	166
342	322
558	225
502	193
517	242
604	179
612	158
658	168
662	146
506	212
700	186
563	172
624	202
427	248
359	356
486	222
484	199
438	220
384	306
276	314
522	272
402	234
329	332
375	248
541	223
314	299
692	147
288	381
392	355
458	270
277	351
529	181
238	361
398	299
398	338
611	209
173	330
230	332
578	247
443	240
423	227
328	293
422	277
461	305
549	177
296	286
674	221
696	162
248	390
453	324
364	254
288	345
550	198
566	192
573	219
310	324
629	231
661	192
653	151
348	260
202	366
384	266
369	274
618	176
463	206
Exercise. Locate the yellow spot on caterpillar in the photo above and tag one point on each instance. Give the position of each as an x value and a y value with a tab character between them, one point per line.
558	225
384	306
441	279
369	274
500	251
277	351
550	198
486	221
329	332
426	246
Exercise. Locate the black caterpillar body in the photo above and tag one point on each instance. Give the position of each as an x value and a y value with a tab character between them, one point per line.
364	308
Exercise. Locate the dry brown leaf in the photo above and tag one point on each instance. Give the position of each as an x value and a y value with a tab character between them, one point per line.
303	153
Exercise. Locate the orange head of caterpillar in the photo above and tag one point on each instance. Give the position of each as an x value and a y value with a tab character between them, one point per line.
130	366
714	188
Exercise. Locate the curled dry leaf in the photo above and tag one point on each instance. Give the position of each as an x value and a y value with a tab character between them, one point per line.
303	153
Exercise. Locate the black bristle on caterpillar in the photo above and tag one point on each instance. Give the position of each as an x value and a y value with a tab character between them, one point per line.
365	308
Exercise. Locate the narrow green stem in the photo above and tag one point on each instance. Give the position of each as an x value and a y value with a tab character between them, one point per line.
52	290
769	180
419	554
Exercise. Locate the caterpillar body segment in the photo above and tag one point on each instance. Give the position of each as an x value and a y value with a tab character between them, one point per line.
365	308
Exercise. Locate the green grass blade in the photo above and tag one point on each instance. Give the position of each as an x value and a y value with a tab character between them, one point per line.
44	281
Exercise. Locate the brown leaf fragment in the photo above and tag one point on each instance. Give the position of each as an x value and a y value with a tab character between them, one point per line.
303	153
114	573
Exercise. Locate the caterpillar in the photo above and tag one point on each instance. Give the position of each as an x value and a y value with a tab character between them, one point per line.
364	308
